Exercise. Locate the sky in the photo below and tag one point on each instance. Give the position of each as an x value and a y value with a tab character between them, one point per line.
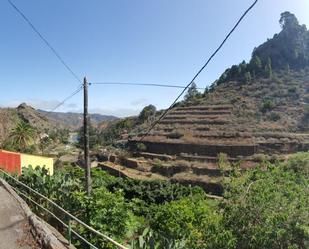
154	41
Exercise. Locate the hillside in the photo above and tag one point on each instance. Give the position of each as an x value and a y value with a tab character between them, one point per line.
10	117
42	120
254	111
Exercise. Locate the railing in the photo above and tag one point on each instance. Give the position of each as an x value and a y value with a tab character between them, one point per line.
71	217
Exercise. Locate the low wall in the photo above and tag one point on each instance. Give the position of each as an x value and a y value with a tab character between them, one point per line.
200	149
35	161
112	171
169	170
286	148
42	233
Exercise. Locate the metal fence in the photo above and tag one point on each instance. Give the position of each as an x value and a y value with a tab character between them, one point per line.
68	227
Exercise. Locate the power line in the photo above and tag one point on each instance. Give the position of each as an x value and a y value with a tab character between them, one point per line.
54	52
45	41
141	84
65	100
197	74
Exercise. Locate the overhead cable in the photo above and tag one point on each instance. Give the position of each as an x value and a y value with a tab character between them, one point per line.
198	73
47	43
65	100
141	84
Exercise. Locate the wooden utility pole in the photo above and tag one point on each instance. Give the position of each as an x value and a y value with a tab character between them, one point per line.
86	139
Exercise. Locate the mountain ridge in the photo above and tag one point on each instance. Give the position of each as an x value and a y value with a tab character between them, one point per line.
74	120
44	121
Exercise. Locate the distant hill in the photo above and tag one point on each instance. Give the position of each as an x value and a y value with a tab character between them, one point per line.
42	120
74	120
10	117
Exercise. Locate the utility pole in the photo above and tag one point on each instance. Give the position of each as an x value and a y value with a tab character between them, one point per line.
86	139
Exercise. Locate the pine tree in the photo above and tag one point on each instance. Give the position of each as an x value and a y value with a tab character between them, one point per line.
256	63
192	92
248	77
268	69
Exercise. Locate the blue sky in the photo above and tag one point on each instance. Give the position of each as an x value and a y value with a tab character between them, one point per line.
158	41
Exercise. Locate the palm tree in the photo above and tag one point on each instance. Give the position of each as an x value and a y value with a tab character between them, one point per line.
22	136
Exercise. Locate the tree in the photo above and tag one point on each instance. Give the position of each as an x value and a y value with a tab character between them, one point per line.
290	46
22	137
268	68
234	72
44	143
192	92
147	112
94	138
248	77
256	64
288	20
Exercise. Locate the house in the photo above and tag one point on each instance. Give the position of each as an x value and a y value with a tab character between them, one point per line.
14	162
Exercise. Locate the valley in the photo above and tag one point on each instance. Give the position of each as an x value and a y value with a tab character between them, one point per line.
226	167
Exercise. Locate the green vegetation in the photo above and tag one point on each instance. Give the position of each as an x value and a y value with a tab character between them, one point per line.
126	127
141	147
114	130
22	138
59	135
266	207
193	95
94	139
44	144
146	113
28	139
270	209
267	105
287	50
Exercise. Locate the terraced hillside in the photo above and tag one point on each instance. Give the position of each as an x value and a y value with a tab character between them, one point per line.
255	111
264	116
226	126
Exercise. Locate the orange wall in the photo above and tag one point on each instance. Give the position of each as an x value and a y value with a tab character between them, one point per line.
10	162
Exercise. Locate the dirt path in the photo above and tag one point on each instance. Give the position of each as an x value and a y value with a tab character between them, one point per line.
14	229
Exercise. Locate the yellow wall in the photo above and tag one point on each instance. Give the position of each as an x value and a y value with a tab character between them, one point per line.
35	161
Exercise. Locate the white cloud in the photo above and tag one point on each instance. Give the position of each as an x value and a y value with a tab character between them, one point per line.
118	112
141	101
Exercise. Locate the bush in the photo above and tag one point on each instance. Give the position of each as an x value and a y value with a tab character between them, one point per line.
223	162
194	221
141	147
269	208
146	113
175	135
267	105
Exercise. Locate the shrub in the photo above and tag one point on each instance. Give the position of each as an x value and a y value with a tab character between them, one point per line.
267	105
268	208
223	162
141	147
175	135
146	113
193	220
